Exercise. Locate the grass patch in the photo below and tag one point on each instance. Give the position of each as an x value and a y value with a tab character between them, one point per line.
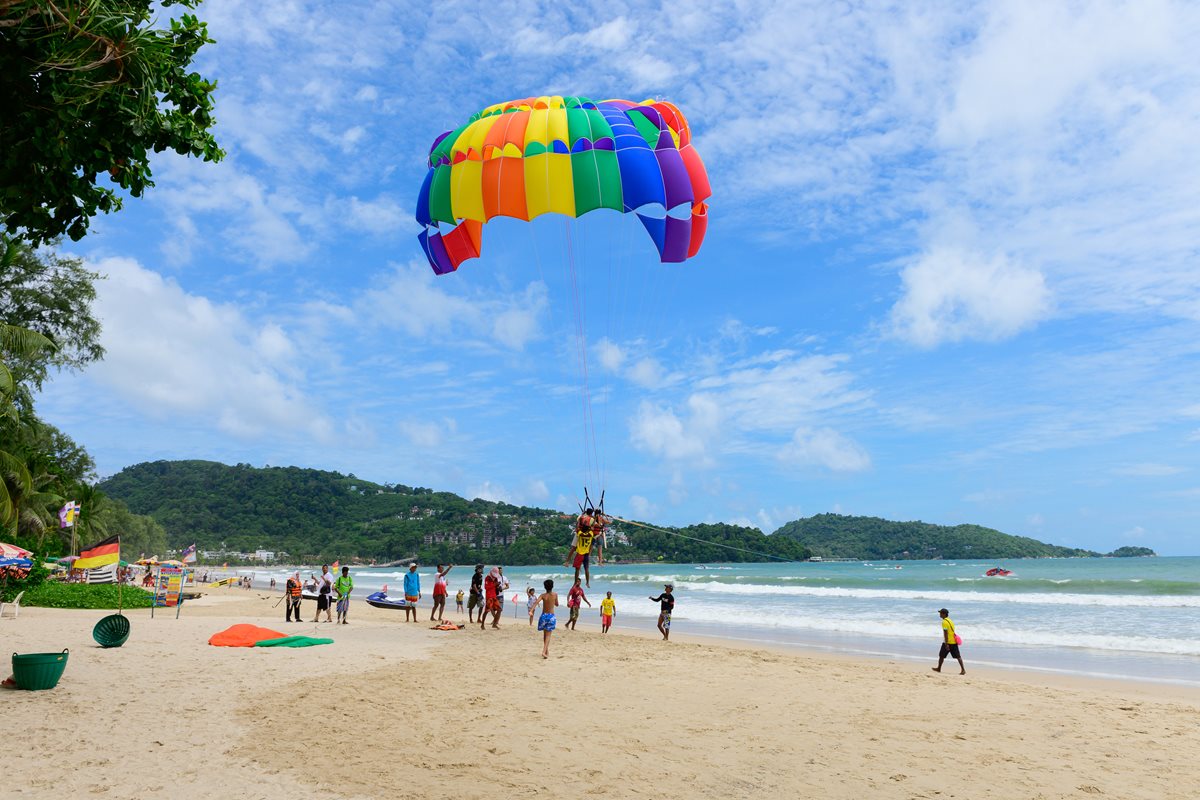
85	595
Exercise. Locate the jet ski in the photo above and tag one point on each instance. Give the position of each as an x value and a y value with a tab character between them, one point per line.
997	572
381	600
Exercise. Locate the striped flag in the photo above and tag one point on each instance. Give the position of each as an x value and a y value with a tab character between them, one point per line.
104	552
189	555
68	514
106	574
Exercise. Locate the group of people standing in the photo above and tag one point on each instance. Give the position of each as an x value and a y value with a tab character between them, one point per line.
486	592
331	592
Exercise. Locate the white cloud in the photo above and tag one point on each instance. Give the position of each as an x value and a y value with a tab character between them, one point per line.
492	492
647	372
950	295
1148	470
1035	520
610	355
661	432
1136	532
427	434
382	216
642	508
411	298
171	352
537	491
825	447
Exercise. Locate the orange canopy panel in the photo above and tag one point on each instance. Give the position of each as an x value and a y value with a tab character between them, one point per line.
243	635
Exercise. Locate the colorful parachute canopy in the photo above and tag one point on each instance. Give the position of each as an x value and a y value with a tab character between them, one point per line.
564	155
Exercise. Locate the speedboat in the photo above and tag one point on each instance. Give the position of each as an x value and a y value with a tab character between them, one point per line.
381	600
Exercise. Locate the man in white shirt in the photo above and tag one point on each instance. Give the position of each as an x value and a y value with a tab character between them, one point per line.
324	594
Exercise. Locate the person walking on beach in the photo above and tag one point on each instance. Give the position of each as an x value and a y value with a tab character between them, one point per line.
949	643
293	588
459	599
530	602
476	598
439	592
324	594
575	598
343	586
412	592
666	602
501	588
491	593
608	607
547	622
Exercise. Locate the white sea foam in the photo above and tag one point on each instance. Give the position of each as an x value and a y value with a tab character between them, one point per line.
971	633
1043	598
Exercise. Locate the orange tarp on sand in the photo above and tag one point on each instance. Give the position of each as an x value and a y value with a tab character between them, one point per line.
243	635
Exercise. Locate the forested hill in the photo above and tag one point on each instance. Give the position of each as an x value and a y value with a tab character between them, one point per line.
315	516
837	536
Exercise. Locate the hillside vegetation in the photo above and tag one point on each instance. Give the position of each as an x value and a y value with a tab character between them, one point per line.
314	516
837	536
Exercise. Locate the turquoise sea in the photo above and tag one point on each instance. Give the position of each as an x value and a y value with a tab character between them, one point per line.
1128	618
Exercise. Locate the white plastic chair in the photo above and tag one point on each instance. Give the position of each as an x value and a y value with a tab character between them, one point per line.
16	606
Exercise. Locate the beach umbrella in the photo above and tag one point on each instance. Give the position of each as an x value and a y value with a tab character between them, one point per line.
68	559
12	551
171	563
147	562
24	563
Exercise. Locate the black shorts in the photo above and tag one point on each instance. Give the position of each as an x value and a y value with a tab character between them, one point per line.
322	602
949	649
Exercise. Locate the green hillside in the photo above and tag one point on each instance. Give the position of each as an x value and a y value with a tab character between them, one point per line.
837	536
315	516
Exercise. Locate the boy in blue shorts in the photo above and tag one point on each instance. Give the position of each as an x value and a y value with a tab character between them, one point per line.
546	622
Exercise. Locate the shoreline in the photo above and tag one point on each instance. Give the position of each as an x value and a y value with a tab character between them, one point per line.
471	712
1123	667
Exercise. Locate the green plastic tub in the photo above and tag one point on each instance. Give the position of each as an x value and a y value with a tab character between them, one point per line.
112	631
37	671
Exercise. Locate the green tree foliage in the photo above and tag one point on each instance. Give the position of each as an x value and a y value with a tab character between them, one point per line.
317	516
140	535
51	295
1131	552
837	536
89	88
17	483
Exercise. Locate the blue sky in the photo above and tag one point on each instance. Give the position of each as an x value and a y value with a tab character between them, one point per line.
951	272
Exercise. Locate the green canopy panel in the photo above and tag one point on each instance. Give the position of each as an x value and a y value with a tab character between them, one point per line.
293	641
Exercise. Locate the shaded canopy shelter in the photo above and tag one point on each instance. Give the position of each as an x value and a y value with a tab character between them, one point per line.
12	551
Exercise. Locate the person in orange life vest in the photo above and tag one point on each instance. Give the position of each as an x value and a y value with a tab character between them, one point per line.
292	590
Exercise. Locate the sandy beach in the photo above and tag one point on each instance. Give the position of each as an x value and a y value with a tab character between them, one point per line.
391	709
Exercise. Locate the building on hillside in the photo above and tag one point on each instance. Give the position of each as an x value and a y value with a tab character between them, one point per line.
449	537
264	555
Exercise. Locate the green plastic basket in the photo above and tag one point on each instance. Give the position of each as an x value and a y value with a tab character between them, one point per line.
112	631
37	671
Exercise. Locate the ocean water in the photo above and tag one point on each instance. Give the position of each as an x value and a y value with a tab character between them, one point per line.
1129	618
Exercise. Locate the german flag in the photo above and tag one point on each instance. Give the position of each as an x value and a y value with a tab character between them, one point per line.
100	554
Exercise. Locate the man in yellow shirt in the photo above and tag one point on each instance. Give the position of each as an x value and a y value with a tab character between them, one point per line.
949	643
580	554
608	607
